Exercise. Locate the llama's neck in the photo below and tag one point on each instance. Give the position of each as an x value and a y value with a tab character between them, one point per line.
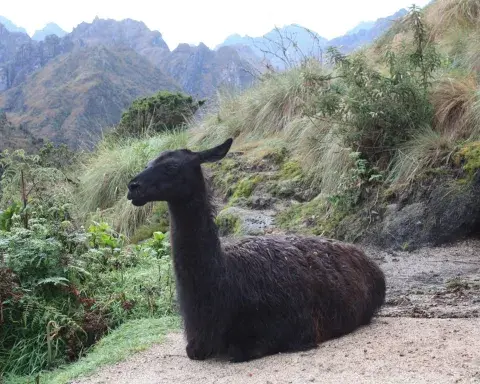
196	249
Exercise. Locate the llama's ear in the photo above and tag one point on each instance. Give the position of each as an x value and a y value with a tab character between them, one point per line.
216	153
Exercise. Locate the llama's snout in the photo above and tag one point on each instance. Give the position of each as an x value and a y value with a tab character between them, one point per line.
133	188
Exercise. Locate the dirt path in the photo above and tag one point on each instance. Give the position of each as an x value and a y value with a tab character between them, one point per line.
428	332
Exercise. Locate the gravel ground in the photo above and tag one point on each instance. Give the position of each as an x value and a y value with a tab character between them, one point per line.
428	332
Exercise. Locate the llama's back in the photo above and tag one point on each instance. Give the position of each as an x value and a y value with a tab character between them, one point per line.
334	282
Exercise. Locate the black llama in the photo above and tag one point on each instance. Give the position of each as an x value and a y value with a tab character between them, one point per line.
259	295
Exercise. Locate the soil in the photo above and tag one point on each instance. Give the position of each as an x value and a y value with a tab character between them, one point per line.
428	332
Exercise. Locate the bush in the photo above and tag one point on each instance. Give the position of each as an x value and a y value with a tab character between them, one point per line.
162	112
62	288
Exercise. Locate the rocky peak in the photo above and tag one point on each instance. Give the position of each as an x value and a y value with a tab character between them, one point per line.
49	29
130	33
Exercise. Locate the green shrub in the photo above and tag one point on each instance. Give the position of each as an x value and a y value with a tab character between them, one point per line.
162	112
63	287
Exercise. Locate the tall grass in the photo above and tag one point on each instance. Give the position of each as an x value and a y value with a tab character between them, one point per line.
265	109
454	99
320	146
428	149
104	177
447	14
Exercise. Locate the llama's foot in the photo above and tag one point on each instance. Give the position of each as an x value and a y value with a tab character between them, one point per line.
242	353
195	352
302	347
238	354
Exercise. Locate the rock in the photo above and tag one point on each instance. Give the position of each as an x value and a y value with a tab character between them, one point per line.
264	201
402	226
449	212
239	221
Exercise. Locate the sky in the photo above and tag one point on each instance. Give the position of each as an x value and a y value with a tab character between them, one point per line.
207	21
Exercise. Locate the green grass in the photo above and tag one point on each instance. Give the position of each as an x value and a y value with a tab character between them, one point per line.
131	337
264	110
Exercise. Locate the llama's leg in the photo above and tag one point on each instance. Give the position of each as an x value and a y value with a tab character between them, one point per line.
195	351
246	338
201	344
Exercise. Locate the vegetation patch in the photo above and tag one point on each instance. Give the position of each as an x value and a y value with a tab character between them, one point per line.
228	224
131	337
245	187
469	158
291	170
162	112
315	217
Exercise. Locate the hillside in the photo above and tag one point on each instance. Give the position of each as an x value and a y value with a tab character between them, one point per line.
78	94
16	137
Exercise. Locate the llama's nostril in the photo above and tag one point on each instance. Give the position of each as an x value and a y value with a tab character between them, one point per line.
133	186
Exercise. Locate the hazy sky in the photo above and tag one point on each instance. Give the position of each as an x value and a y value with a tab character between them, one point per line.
209	21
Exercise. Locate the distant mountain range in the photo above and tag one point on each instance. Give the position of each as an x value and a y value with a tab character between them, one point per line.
300	42
49	29
69	86
68	89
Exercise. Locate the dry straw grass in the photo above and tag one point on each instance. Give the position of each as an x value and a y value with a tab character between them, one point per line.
445	15
455	100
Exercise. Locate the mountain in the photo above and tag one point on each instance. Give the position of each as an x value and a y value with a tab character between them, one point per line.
67	89
76	95
24	56
366	25
353	41
298	41
49	29
11	26
126	33
302	42
201	71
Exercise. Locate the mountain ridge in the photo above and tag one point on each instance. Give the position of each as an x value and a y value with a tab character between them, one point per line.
311	43
49	29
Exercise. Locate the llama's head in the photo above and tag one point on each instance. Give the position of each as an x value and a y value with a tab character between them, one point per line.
174	175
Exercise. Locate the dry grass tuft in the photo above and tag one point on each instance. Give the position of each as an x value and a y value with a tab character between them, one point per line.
454	99
429	149
443	15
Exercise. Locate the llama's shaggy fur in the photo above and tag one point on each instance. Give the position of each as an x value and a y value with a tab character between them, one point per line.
258	295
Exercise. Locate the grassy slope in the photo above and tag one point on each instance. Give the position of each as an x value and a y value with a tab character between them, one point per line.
129	338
